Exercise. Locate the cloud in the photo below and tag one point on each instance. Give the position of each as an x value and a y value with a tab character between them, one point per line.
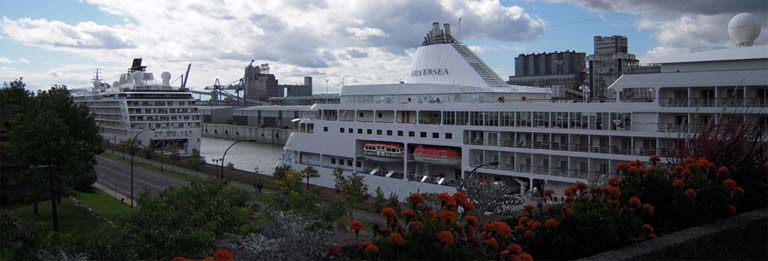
336	38
4	60
683	26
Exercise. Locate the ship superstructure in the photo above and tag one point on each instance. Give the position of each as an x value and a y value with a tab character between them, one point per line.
453	114
163	116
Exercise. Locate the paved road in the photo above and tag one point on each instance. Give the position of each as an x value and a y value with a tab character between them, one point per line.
117	176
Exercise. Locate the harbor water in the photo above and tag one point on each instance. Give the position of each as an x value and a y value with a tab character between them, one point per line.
244	155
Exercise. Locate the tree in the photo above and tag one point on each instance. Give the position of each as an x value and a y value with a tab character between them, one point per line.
353	189
490	197
379	200
58	136
308	172
196	161
280	171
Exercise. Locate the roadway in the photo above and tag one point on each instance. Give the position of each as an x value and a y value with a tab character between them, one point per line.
117	176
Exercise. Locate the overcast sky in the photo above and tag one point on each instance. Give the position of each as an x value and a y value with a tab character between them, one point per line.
62	41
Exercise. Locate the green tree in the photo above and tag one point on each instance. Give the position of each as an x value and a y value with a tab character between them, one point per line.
280	171
309	172
196	161
126	146
58	136
379	200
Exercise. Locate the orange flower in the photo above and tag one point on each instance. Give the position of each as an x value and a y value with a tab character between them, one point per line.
678	183
529	234
634	201
703	163
396	239
523	220
581	186
548	193
460	196
723	171
648	209
447	215
223	255
688	160
567	212
430	212
416	198
415	225
678	169
370	248
687	173
632	170
729	183
651	236
445	237
519	228
568	192
690	193
737	192
502	229
731	209
622	166
526	257
648	227
613	181
528	207
208	259
551	223
408	213
388	213
468	205
655	158
533	224
613	191
472	221
444	197
334	250
491	242
515	248
178	258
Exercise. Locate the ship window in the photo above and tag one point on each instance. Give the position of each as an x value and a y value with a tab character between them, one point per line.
341	130
349	163
423	134
380	115
378	132
359	131
359	164
411	134
448	135
370	131
350	130
399	133
435	135
389	132
333	160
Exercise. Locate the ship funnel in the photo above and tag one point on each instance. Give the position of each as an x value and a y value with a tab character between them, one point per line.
447	29
435	29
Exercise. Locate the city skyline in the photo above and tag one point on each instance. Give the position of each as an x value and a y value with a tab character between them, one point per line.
359	42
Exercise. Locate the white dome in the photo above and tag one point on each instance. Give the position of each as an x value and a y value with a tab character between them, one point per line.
166	76
744	29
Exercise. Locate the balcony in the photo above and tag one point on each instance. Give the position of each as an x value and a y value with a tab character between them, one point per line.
722	102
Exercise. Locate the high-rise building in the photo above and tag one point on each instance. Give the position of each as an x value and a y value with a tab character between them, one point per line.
259	83
297	90
561	71
609	61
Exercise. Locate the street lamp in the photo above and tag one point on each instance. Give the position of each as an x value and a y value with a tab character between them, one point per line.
225	155
133	149
474	171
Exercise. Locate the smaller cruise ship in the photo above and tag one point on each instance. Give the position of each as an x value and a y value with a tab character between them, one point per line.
156	113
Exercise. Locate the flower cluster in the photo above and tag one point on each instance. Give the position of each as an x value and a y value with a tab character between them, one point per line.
219	255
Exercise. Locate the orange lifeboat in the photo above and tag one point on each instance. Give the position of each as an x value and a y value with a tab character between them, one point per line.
437	155
384	152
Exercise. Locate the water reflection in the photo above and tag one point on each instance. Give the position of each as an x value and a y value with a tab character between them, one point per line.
245	155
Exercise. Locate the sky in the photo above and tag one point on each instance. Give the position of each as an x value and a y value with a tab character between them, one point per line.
337	42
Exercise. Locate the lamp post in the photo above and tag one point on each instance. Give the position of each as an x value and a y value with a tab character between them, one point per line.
474	171
133	151
224	156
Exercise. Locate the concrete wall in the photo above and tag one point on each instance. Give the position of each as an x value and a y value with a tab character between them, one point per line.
237	132
743	237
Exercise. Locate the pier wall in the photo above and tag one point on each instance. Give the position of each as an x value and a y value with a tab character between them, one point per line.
267	135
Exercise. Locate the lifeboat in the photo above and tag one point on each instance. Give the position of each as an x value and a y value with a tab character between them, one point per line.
437	155
383	152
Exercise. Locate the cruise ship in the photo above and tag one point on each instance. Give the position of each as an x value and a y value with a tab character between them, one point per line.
155	113
453	115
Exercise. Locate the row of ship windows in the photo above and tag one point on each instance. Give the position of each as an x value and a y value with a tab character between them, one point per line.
400	133
160	103
164	118
163	110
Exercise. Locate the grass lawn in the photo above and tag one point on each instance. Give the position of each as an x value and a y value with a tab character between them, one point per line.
74	218
103	204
